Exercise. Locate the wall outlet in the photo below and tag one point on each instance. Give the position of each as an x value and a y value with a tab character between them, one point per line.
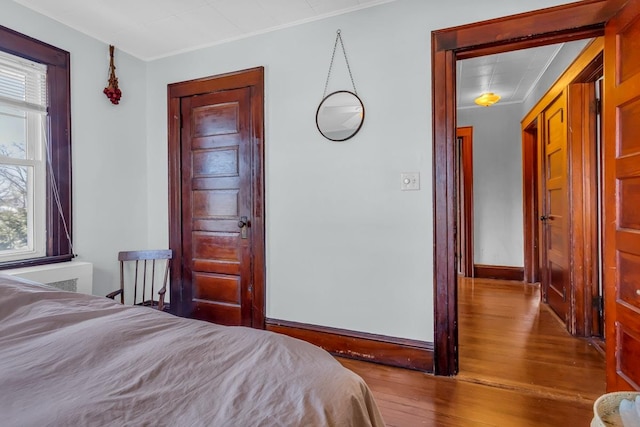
410	181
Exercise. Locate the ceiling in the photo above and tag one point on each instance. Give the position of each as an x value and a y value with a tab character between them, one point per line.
151	29
512	75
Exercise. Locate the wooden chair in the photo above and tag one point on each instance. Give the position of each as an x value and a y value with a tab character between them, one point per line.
142	266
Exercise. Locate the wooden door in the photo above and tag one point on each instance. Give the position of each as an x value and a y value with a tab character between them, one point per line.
555	201
216	205
216	177
622	198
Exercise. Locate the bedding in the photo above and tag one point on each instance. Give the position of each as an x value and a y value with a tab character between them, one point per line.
69	359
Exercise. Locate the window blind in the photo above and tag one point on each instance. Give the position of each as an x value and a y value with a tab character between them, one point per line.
23	83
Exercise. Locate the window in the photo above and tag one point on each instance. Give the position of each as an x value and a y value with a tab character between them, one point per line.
35	152
23	100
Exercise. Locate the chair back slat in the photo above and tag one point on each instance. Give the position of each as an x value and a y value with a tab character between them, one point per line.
153	276
144	281
135	284
121	282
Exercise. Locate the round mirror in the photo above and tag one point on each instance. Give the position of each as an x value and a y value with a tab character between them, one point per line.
340	115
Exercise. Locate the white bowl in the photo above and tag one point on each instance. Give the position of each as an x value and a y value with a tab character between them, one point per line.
606	408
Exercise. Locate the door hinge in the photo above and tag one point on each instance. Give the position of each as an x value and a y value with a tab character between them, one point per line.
598	303
596	106
564	294
250	287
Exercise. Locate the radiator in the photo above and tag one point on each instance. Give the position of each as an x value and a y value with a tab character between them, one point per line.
74	276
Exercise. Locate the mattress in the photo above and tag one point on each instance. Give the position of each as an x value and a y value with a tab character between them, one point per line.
74	359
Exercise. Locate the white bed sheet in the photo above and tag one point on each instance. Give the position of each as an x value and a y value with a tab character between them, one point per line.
69	359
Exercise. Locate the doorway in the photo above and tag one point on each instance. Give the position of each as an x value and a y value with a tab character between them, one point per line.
524	344
216	191
564	23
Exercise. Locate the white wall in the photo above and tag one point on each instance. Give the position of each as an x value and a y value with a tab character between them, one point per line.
345	247
497	183
108	145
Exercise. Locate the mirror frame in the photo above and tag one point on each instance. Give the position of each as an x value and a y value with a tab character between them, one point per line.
361	121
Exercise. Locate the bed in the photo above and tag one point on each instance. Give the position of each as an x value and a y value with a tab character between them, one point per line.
69	359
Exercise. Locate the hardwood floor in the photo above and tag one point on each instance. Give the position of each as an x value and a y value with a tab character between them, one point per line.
518	367
503	325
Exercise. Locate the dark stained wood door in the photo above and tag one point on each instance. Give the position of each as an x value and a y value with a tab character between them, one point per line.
555	201
216	206
622	197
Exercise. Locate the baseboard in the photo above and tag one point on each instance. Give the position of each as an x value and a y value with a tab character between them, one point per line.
481	271
404	353
599	344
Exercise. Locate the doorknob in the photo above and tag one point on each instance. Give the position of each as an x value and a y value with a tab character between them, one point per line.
544	218
243	223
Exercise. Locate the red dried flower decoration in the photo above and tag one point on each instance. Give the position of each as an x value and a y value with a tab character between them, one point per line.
112	91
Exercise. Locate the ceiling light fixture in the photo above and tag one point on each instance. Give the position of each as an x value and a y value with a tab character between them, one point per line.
487	99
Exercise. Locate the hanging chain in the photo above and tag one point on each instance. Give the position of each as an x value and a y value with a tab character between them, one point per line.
333	55
331	65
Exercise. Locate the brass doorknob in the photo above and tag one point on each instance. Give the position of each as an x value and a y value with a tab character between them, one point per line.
243	225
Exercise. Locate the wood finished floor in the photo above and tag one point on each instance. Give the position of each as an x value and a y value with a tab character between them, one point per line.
518	367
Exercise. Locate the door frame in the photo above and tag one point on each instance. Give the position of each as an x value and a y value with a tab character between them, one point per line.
466	229
584	19
254	79
530	209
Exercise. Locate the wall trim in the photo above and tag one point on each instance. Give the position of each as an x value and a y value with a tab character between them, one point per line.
400	352
502	272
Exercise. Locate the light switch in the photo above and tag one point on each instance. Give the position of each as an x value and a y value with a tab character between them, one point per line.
410	181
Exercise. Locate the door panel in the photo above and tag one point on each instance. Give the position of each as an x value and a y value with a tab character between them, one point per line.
622	198
216	193
555	231
217	287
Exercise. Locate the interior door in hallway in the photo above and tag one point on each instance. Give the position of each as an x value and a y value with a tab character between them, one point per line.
555	253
